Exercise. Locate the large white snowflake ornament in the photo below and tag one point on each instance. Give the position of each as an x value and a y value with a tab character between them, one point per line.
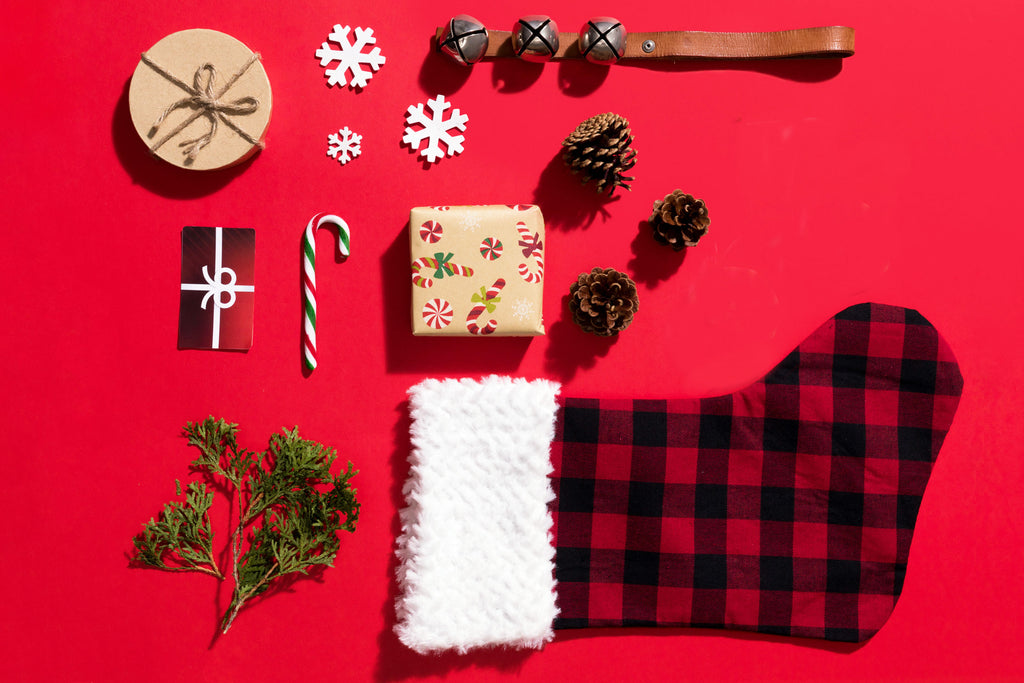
344	145
434	129
350	56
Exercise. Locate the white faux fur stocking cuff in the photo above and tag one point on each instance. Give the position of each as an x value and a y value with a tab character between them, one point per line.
476	560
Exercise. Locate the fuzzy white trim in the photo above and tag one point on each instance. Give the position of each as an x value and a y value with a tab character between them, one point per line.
476	560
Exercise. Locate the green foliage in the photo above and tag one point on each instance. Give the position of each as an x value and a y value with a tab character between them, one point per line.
217	444
182	536
290	509
293	463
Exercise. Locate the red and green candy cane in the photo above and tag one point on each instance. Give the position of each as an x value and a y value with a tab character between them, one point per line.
441	265
309	278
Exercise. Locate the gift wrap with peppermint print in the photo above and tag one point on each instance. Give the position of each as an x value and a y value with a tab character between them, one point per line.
477	270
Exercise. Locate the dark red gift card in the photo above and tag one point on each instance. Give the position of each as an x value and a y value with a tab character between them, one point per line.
217	288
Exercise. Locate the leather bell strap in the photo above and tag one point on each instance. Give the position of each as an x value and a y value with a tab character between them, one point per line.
821	41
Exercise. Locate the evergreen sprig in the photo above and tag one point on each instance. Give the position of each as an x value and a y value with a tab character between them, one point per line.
290	508
182	535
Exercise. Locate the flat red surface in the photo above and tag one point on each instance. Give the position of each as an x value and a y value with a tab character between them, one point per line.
893	176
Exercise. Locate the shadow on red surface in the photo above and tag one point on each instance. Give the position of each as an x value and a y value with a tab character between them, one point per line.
156	175
652	263
566	202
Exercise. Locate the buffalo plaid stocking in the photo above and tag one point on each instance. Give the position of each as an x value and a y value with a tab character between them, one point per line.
787	507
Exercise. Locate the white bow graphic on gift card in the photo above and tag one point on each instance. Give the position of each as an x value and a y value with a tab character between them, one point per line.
223	281
217	287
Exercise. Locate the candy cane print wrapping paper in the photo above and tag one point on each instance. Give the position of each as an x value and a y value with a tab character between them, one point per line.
477	271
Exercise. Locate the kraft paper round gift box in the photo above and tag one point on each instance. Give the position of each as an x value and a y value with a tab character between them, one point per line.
200	99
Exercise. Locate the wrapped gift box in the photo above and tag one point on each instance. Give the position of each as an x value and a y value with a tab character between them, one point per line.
200	99
217	288
477	270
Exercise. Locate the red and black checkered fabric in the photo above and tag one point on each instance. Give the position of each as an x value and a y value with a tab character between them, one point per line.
785	508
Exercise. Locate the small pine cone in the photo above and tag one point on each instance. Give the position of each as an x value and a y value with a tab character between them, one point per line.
603	301
679	220
599	149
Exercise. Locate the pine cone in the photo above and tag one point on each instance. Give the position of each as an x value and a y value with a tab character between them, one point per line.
603	301
599	150
679	220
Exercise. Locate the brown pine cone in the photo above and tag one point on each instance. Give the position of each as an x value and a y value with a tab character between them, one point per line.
603	301
679	220
599	149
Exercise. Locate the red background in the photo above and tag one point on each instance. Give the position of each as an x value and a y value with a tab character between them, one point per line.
892	177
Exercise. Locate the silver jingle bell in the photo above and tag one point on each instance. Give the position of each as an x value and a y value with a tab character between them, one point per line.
535	38
603	40
464	39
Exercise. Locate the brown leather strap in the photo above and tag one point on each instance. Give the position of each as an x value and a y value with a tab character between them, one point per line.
823	41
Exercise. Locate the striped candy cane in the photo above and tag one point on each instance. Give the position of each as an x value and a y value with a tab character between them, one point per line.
441	266
532	246
309	278
485	302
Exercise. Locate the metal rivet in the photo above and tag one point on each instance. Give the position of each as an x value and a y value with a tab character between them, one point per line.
648	46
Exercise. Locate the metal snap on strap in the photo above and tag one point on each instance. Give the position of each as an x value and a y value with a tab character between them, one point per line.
648	46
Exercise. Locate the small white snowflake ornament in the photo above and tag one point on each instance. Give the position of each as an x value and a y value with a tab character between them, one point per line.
350	56
344	145
435	129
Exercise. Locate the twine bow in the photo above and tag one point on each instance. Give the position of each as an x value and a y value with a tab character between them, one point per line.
481	298
206	102
531	244
443	267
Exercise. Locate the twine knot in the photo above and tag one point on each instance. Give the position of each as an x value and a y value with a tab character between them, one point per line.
205	102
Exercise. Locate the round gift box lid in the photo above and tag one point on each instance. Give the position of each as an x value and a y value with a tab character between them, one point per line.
200	99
